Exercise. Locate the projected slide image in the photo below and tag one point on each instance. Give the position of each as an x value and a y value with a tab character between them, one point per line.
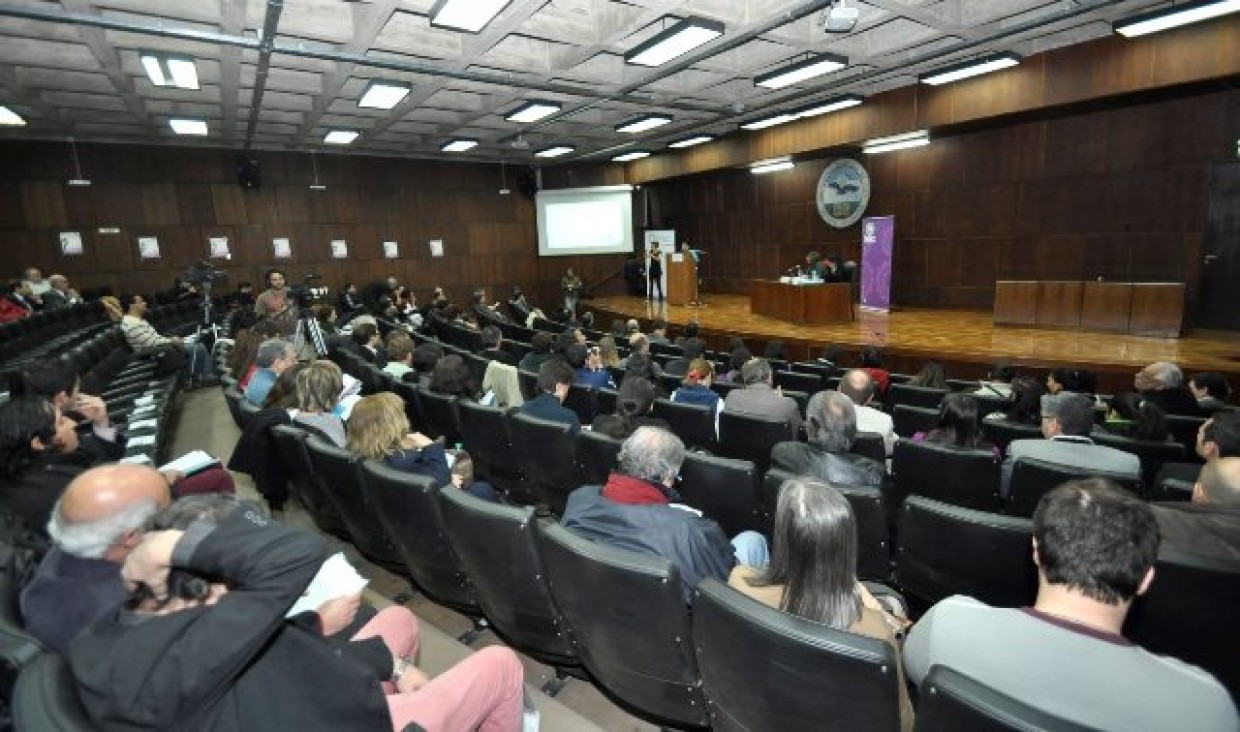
595	220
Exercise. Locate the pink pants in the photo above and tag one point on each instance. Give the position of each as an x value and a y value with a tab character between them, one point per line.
483	692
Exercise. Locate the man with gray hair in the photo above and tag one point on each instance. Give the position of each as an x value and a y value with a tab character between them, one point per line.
760	398
637	510
858	386
61	294
831	422
94	526
1162	383
1067	418
272	358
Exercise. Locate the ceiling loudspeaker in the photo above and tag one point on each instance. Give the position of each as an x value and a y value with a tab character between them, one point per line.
840	18
249	173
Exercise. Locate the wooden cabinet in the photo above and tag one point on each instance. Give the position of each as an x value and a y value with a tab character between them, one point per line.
1138	308
802	304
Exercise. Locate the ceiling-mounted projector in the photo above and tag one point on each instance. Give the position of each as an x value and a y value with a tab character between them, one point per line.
840	18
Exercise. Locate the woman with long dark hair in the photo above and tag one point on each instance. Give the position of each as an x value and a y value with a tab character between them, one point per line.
633	404
1141	419
958	426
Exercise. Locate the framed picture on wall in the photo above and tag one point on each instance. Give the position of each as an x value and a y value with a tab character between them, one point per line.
281	248
340	249
70	243
436	247
148	247
391	250
219	247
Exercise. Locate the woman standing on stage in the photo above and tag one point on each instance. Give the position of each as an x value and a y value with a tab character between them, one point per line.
655	271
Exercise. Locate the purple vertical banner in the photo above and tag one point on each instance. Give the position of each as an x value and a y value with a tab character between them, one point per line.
877	234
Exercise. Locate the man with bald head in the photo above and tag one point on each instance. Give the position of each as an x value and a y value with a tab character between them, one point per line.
858	386
1209	525
93	527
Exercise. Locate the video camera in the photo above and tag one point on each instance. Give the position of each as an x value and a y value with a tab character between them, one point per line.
203	273
305	295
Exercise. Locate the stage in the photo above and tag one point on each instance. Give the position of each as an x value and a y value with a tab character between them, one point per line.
967	338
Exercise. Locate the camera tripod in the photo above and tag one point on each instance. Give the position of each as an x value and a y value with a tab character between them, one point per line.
206	326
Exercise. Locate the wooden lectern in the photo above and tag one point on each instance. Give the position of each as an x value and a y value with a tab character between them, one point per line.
682	279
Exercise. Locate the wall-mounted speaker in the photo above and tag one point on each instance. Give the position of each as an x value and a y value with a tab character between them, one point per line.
528	182
249	172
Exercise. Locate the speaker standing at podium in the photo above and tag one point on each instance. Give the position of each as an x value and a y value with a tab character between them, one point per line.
654	271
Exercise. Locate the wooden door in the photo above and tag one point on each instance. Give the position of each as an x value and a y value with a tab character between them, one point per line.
1219	305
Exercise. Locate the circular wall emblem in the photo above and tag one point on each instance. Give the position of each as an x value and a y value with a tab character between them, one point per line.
843	193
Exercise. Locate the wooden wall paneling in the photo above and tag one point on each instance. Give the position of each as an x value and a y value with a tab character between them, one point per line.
194	204
1059	303
228	202
12	210
294	204
44	204
1106	305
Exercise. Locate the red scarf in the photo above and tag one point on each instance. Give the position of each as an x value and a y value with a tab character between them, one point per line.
634	491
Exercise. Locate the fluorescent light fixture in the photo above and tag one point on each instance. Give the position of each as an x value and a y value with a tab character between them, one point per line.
340	137
974	67
817	65
466	15
533	110
690	141
78	182
1161	20
643	123
10	118
188	126
383	94
169	70
674	41
317	187
635	155
828	106
770	120
896	142
771	165
554	151
458	144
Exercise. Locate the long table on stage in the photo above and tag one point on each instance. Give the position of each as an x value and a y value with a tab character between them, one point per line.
829	302
1136	308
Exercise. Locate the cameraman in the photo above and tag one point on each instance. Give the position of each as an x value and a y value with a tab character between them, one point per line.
276	304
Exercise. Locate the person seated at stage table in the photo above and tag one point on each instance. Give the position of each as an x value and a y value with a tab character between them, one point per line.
634	402
1211	389
1163	383
1129	415
587	365
857	385
958	426
554	380
1024	402
831	429
814	269
931	376
693	348
760	398
872	364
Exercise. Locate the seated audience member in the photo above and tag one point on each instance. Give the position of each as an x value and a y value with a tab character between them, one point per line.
424	359
349	299
367	343
16	302
554	379
202	640
245	349
1024	403
633	327
872	364
693	348
998	381
400	354
1218	437
634	511
587	366
463	478
1163	383
832	355
634	402
271	359
775	351
34	280
1211	390
56	382
1094	546
642	366
492	346
760	399
1067	419
379	430
695	389
61	294
540	352
958	425
517	303
319	385
283	394
608	354
691	331
857	385
832	429
931	376
93	527
735	342
658	332
242	297
452	376
737	358
325	318
143	338
1209	525
1074	380
1130	415
813	571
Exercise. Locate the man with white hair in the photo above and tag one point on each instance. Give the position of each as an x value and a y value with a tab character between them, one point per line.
60	294
94	526
1162	383
272	358
637	510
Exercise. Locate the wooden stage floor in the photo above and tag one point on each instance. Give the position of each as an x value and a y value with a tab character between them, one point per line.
967	336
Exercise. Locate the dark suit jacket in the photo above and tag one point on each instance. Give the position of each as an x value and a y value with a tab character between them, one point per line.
546	406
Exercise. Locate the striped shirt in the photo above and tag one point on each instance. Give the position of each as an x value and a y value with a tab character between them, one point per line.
141	336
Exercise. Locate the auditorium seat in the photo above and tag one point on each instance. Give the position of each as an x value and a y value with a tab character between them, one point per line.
722	388
529	384
822	370
694	424
606	400
968	478
485	432
871	445
873	538
408	392
498	549
913	396
290	444
725	490
945	550
908	420
629	624
1188	613
951	701
341	472
597	456
1172	489
407	509
745	437
440	415
546	451
1153	454
1002	433
46	699
1032	479
1184	431
233	398
583	401
796	381
17	647
763	669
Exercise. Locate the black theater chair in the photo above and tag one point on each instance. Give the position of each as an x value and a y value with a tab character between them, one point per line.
546	451
797	381
233	398
821	370
946	550
440	415
751	438
408	509
291	447
583	400
498	549
725	490
1152	454
1172	489
341	473
951	702
871	445
1184	431
1002	433
909	420
17	647
1032	479
485	432
629	623
914	396
968	478
46	699
597	456
763	669
1188	614
694	424
873	538
408	392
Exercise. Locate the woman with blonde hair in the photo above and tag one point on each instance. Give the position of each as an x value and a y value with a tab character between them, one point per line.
607	352
318	392
379	430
